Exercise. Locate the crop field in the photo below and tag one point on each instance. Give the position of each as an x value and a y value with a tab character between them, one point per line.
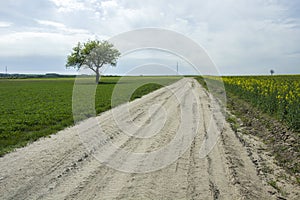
33	108
278	96
157	141
269	107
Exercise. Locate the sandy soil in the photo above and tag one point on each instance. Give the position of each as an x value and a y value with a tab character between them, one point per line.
170	144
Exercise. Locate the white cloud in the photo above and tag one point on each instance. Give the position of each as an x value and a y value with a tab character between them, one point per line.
108	4
69	5
5	24
39	43
61	28
239	34
51	23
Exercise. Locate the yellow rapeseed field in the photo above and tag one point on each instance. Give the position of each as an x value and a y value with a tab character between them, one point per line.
276	95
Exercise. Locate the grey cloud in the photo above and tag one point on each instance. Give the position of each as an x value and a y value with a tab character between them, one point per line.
245	35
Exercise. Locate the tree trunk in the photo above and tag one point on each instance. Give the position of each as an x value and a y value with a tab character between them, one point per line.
97	76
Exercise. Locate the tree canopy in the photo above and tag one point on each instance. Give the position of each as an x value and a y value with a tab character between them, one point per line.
93	55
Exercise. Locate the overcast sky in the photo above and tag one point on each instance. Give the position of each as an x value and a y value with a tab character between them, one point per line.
240	36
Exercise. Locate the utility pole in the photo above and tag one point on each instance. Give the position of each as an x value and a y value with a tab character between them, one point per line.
6	70
177	68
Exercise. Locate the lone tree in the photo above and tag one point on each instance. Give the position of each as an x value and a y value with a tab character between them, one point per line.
272	72
93	55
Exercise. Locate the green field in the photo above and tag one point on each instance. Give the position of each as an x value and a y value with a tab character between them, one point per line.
33	108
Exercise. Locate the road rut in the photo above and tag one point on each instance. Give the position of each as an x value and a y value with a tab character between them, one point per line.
204	160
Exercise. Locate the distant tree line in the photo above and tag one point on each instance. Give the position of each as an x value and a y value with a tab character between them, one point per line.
48	75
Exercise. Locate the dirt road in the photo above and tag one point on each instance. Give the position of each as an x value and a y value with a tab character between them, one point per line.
152	148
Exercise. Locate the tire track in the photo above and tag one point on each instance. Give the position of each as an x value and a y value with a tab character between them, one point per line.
61	167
